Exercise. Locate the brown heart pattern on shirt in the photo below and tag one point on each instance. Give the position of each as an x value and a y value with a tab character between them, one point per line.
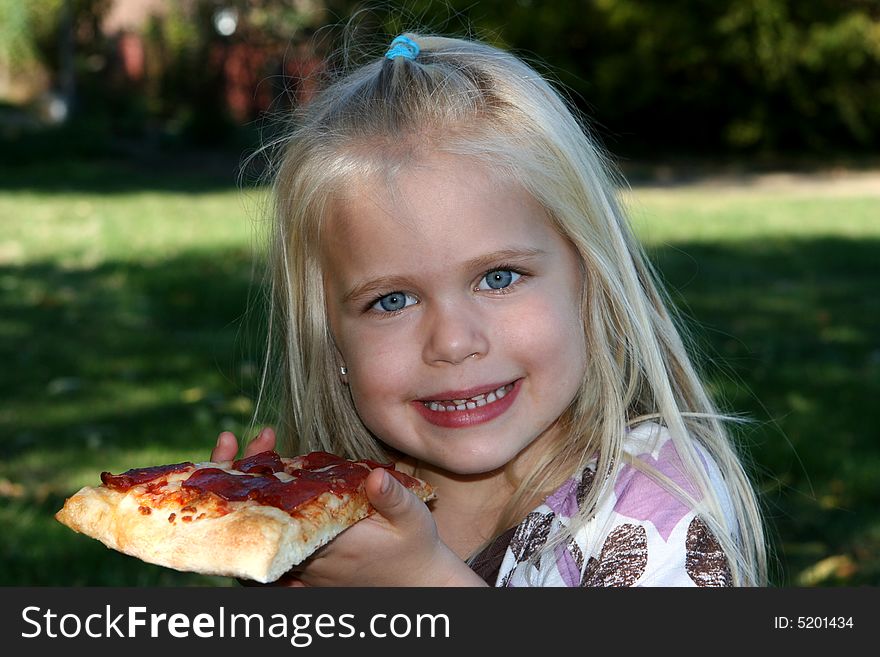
584	486
531	535
622	560
705	562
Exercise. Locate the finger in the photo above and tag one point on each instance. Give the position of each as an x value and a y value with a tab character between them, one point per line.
265	440
226	447
285	580
291	581
394	502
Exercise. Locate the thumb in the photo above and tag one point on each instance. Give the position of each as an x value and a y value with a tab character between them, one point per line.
394	502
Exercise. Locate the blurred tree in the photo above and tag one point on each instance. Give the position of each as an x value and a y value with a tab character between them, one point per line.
224	62
695	75
810	73
18	53
742	76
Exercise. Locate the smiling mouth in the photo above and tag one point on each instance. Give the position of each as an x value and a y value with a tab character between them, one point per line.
477	401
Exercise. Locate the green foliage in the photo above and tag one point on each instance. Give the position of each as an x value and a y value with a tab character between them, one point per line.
691	75
16	36
29	31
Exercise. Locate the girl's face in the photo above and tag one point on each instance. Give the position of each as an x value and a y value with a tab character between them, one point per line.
454	305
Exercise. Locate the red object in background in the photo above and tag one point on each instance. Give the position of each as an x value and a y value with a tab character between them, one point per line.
255	78
303	69
131	56
243	68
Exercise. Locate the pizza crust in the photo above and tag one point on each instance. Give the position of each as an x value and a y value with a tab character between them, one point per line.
251	541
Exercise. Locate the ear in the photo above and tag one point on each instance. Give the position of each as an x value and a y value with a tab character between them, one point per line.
341	368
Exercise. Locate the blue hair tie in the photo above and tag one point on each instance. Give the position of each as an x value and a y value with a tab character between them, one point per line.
403	47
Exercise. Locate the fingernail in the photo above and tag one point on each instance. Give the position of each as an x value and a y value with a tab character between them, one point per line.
386	483
219	440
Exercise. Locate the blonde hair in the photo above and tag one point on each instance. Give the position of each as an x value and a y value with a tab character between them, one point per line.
473	100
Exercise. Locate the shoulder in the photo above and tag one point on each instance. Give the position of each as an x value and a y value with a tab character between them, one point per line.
656	531
634	490
638	492
638	534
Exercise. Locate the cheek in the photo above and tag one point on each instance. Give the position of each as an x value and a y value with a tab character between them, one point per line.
552	342
549	325
378	363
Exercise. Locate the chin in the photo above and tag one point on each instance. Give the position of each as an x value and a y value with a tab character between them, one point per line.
475	465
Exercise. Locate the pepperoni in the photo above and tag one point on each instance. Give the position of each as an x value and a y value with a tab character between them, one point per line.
345	476
306	485
230	487
139	476
317	460
268	490
263	463
320	472
289	495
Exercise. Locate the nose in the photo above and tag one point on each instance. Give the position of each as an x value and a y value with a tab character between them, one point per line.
455	333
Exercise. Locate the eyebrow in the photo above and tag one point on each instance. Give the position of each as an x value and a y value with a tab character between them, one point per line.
502	257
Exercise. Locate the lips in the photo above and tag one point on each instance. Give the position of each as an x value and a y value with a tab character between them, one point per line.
463	408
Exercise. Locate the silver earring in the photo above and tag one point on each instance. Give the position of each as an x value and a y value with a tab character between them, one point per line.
343	370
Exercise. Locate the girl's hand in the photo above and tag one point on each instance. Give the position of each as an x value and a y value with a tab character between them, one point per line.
227	445
397	546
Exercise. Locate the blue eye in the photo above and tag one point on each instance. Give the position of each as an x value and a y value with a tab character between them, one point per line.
498	279
392	302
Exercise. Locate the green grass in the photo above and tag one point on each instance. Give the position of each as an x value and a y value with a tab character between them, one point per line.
124	341
781	291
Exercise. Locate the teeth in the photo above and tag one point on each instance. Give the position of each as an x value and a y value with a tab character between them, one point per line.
476	401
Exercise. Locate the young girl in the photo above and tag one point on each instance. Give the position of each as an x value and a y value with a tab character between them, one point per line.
456	289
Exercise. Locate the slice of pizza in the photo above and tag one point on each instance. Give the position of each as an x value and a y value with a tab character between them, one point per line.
254	518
